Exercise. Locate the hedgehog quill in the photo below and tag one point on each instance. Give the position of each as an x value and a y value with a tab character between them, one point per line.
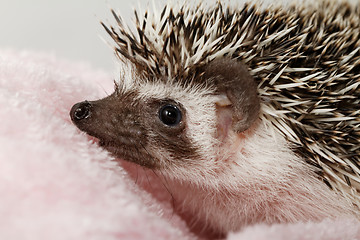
251	114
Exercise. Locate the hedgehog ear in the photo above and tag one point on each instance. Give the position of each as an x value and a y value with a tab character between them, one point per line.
237	93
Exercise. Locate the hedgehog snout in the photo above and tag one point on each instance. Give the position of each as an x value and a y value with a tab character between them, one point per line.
80	111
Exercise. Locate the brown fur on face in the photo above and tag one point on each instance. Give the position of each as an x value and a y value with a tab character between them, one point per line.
128	127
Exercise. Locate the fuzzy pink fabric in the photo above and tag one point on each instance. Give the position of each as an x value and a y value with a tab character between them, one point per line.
56	183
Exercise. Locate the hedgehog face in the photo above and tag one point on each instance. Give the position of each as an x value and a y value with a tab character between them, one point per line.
153	125
166	124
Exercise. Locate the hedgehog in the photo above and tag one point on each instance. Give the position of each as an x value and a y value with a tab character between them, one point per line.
251	114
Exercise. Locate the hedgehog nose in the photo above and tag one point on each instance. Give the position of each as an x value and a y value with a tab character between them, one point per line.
80	111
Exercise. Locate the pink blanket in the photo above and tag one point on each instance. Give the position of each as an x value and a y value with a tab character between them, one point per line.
56	183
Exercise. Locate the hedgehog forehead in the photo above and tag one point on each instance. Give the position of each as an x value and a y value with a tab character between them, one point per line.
187	95
132	79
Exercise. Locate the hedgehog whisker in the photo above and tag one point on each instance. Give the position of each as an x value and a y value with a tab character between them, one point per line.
155	159
103	89
137	169
147	177
161	179
167	189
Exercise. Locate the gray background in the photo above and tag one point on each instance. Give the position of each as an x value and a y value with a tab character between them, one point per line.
68	28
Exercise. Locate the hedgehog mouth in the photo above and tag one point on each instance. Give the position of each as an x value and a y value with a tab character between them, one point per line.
130	153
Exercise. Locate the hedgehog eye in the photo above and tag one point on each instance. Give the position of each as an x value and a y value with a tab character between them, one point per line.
170	115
